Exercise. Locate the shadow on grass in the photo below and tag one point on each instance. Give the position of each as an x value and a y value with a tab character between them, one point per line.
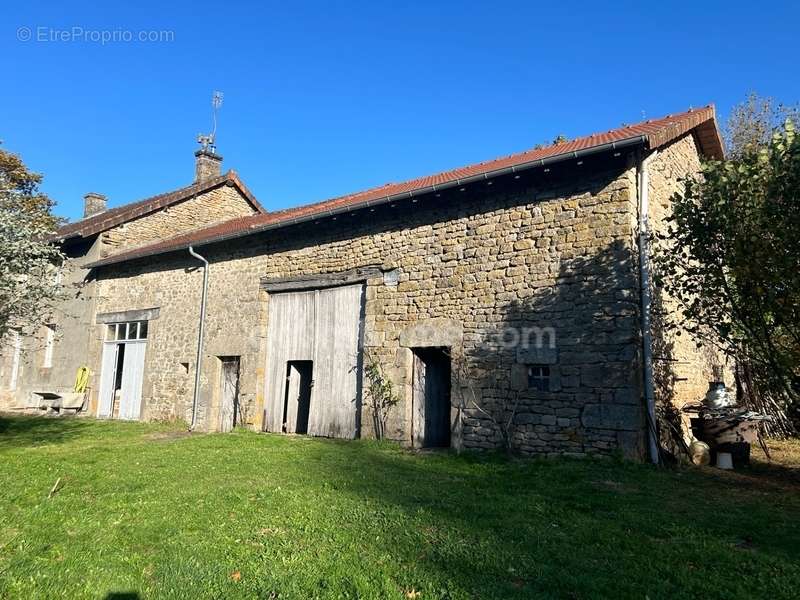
509	528
22	430
121	596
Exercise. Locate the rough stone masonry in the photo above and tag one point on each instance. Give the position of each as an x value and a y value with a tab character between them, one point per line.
468	270
527	280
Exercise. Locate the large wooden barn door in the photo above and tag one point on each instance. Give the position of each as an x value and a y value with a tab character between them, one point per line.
290	338
314	335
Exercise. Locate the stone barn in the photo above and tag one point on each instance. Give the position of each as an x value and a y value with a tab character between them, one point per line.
508	302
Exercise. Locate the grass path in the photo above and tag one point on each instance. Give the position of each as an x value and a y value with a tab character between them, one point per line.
148	511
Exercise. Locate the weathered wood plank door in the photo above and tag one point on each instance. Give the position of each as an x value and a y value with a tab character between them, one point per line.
334	397
418	402
130	405
290	337
229	393
322	327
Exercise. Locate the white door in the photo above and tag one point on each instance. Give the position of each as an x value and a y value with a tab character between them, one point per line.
130	403
107	372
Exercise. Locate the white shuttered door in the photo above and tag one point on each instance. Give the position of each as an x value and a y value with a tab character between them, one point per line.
107	371
132	374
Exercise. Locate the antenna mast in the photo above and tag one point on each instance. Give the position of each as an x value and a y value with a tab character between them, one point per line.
209	142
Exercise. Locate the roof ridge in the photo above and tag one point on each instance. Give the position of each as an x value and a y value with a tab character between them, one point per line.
530	151
131	210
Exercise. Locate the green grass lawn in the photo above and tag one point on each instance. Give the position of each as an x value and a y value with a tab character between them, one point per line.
149	512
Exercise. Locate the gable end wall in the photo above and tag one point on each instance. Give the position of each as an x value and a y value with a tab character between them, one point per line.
682	369
220	204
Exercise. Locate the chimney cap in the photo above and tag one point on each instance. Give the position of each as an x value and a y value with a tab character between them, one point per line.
209	152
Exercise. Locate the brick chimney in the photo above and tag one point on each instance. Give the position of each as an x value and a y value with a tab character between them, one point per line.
208	164
93	204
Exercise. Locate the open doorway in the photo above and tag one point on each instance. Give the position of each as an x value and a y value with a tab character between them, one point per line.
431	398
297	402
229	412
118	370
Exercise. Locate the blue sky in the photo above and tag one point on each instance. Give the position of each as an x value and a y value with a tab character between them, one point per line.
323	99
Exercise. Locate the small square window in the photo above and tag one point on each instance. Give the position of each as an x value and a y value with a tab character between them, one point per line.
111	332
539	378
142	330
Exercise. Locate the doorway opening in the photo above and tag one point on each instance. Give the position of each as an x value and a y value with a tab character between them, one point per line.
431	398
297	402
122	370
229	412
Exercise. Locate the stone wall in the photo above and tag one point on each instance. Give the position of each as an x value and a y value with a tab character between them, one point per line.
471	267
219	204
74	317
683	370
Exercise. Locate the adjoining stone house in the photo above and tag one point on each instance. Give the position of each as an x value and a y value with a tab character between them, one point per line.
49	360
503	301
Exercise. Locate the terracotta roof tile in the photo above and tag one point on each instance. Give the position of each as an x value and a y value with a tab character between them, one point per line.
652	133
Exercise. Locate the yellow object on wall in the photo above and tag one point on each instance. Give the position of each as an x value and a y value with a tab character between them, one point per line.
82	379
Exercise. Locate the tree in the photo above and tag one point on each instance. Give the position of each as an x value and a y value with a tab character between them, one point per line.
731	257
380	394
751	123
29	262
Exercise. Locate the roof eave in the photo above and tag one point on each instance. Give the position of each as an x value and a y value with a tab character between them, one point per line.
639	140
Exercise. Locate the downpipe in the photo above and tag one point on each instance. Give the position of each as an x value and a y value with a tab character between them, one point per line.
200	334
646	300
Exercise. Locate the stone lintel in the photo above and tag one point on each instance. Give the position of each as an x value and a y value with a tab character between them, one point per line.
320	280
144	314
433	333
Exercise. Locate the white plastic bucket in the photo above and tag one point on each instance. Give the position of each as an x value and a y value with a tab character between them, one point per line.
724	461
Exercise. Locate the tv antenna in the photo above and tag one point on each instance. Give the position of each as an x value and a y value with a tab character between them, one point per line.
209	142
